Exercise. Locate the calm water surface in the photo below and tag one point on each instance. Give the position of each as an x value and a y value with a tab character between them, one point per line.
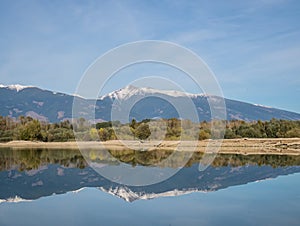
57	187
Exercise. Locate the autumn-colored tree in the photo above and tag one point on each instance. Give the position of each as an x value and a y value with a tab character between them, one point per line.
142	132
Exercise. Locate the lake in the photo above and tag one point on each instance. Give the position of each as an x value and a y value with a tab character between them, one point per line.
58	187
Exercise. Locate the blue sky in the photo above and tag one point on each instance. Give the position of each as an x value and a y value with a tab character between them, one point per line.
253	47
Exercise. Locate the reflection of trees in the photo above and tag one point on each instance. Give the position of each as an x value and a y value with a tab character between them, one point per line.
145	158
28	159
34	158
168	158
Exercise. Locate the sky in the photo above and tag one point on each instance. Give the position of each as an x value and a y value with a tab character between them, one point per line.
253	47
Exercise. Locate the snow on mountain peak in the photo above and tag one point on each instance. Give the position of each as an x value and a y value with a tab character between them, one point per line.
16	87
130	90
130	196
264	106
16	199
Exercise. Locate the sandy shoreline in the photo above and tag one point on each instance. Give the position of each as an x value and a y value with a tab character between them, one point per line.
282	146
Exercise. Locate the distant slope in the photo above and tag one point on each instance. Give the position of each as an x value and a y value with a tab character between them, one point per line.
35	102
16	100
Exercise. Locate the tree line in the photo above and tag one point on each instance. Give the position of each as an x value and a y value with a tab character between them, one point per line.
27	128
28	159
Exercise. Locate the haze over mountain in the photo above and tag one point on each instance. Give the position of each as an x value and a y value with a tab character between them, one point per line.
51	106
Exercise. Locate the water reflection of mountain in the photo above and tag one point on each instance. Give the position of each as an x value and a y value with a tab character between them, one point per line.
31	174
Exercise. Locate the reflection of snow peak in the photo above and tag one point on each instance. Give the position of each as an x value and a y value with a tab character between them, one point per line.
130	90
130	196
16	87
78	190
14	200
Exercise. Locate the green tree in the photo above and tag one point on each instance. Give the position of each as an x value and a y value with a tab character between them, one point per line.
133	125
203	135
174	129
229	134
142	132
30	131
100	125
295	132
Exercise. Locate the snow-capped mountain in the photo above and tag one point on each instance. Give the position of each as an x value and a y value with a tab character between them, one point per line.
16	87
17	100
129	91
154	105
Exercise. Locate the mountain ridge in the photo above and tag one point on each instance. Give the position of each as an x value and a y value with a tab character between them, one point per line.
186	181
53	106
130	90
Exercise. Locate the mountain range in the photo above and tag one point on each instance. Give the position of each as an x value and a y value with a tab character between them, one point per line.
45	105
52	179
